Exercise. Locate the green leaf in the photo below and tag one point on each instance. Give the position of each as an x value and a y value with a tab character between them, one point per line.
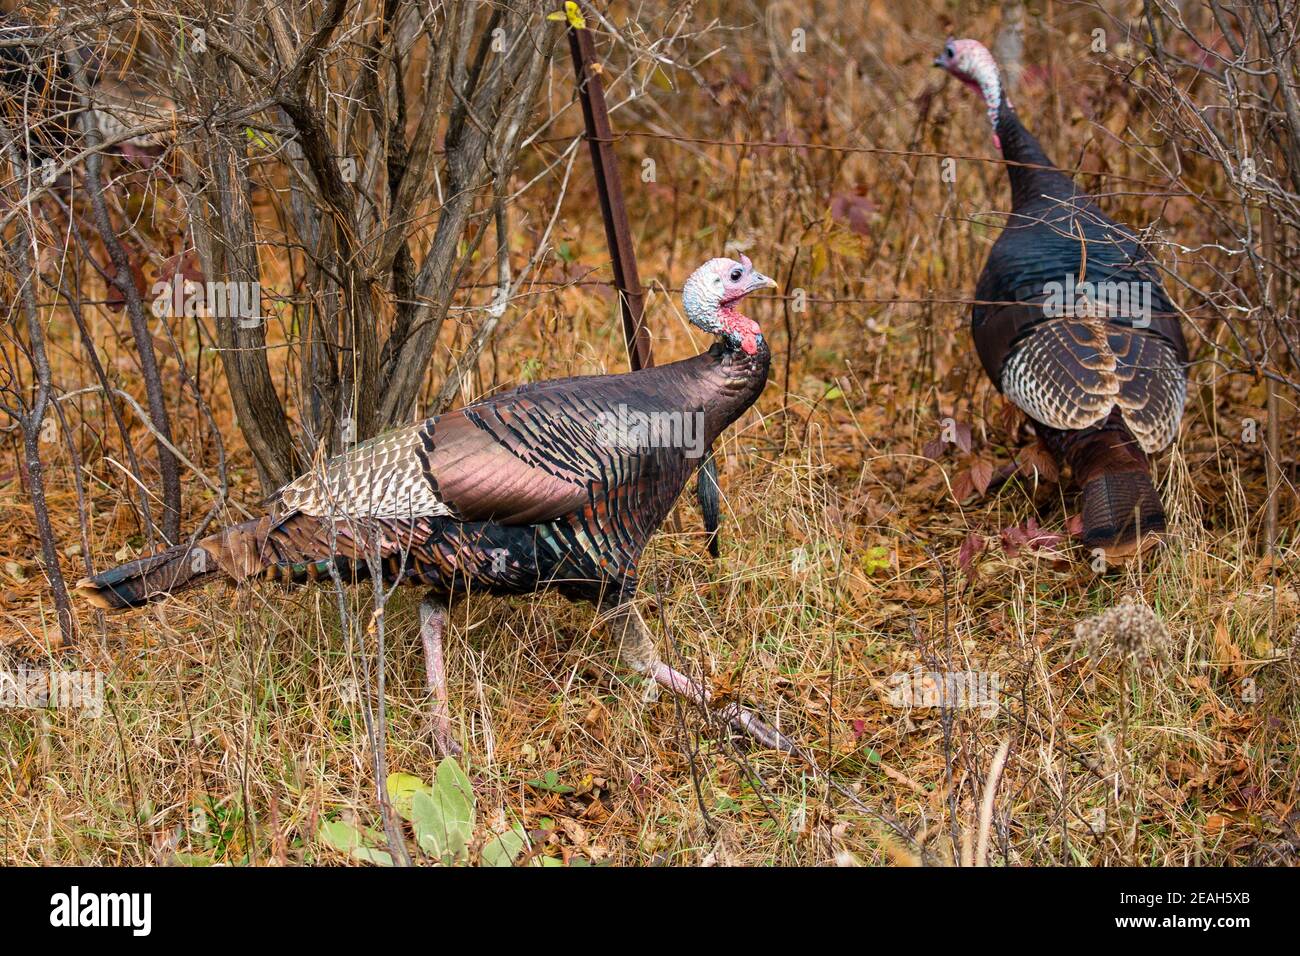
401	787
550	781
444	817
503	850
258	138
341	836
453	788
346	838
368	854
193	859
876	559
820	258
728	804
660	79
427	820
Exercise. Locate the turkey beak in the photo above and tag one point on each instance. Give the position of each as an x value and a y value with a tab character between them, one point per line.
760	281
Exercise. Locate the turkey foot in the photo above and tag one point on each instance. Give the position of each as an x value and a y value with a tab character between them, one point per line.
636	649
433	617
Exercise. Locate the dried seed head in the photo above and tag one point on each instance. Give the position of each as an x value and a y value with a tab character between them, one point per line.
1129	630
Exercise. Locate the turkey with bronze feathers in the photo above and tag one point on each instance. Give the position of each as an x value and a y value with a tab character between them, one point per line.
558	485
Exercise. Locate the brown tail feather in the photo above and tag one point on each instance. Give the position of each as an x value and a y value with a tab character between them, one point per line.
149	579
1118	507
237	552
1120	504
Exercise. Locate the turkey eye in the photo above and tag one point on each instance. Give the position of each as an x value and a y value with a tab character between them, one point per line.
949	50
735	275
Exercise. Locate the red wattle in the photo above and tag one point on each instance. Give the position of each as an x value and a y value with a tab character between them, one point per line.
743	328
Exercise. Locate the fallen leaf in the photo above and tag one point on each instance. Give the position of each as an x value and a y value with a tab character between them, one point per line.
962	431
971	549
1036	458
1226	650
962	486
1028	535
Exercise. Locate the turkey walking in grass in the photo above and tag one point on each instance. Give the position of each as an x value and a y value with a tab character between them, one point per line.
559	485
1074	327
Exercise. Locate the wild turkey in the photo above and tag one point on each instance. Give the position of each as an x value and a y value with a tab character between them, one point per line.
1102	378
558	484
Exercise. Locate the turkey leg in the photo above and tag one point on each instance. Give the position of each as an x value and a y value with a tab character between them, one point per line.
433	618
636	649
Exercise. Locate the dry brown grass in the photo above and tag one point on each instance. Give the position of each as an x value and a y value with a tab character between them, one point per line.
234	726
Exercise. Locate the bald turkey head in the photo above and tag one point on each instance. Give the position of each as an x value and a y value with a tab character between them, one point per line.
710	296
972	63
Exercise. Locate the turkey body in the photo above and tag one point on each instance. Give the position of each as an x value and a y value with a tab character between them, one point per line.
1075	328
554	485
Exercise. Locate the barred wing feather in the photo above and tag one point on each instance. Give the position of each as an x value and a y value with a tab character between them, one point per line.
1069	374
518	458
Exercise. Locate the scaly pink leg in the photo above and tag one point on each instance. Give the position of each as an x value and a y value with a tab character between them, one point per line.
433	616
637	650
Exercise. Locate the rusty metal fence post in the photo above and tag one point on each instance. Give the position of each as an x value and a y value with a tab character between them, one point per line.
612	206
613	209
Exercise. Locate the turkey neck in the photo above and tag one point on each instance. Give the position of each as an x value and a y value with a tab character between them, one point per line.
1040	178
722	382
740	379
